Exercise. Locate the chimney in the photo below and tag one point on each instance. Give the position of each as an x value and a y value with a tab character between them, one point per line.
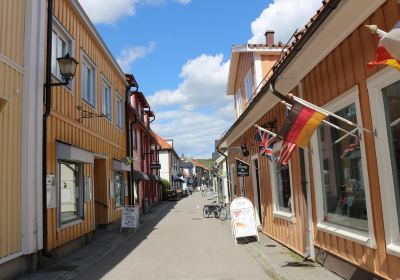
269	37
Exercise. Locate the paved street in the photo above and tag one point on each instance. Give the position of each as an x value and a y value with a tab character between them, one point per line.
177	241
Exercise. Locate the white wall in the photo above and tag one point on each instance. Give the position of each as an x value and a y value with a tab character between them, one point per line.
165	168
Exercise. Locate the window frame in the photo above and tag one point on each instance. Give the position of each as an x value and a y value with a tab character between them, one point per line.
106	83
375	84
275	202
62	33
238	101
119	113
86	61
81	216
248	92
364	238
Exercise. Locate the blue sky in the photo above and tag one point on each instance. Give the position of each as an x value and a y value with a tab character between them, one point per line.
179	52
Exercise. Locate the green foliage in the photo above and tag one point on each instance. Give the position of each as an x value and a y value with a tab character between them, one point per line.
165	185
207	162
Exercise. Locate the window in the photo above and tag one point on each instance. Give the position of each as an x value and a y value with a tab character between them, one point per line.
118	189
238	103
61	45
88	80
71	191
106	99
134	138
120	111
384	92
341	182
248	85
281	187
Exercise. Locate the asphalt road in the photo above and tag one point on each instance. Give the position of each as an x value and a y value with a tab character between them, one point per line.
181	244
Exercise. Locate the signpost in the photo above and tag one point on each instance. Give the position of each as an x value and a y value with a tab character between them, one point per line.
242	168
243	218
130	217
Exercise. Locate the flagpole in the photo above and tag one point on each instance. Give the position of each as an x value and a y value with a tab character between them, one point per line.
326	112
276	135
328	123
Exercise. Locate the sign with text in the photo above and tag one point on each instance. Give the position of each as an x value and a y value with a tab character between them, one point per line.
243	218
155	165
242	168
130	217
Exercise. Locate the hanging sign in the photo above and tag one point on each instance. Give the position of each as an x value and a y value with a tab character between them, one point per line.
243	218
242	168
155	165
130	217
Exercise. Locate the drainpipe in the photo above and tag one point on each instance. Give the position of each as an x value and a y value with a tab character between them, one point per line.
227	171
46	114
128	126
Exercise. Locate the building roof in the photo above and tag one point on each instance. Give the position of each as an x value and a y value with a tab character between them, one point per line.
163	144
199	164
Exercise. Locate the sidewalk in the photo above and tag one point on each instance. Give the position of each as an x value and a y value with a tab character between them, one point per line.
104	243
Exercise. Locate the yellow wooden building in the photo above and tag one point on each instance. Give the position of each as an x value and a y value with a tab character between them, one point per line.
22	38
85	135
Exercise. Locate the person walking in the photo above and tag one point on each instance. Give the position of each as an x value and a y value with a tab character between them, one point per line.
203	190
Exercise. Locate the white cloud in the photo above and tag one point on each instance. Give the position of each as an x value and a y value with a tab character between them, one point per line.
203	84
183	2
109	11
283	16
201	110
129	55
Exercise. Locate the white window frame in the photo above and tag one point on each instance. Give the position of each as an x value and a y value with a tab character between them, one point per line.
64	35
86	61
365	238
108	110
119	111
248	85
238	99
272	171
255	157
375	85
233	181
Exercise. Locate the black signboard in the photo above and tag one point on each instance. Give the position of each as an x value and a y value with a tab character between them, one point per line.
242	168
155	165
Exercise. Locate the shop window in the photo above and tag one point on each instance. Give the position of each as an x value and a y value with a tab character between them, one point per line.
281	187
88	80
384	92
341	182
120	111
106	99
70	191
118	189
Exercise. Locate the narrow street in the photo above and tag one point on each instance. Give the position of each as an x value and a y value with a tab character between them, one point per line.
176	240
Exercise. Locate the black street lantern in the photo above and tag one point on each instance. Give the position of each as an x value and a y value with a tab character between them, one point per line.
245	150
67	67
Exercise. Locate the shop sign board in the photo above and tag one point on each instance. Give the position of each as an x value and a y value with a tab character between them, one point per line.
155	165
130	217
242	168
243	218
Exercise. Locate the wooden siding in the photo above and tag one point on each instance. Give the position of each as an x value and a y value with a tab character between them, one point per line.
12	15
11	88
98	135
344	68
291	234
246	63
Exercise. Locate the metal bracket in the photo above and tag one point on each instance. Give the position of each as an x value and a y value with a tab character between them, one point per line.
83	114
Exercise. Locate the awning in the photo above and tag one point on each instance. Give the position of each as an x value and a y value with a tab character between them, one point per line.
139	176
73	153
120	165
153	177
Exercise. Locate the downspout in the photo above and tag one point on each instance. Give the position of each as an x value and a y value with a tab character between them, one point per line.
227	171
46	114
128	126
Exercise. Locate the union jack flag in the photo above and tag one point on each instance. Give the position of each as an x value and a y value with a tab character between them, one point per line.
265	143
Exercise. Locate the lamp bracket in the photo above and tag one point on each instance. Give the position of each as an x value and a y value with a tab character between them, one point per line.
83	114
